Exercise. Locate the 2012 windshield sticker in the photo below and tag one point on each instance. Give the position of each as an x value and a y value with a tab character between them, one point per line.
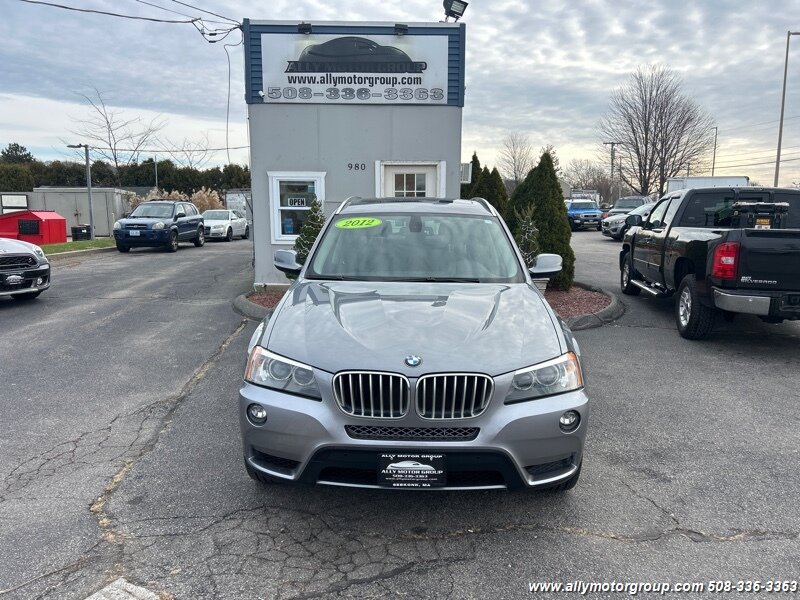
358	223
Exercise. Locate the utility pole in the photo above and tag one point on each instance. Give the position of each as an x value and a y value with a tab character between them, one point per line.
789	35
613	150
155	162
88	186
714	158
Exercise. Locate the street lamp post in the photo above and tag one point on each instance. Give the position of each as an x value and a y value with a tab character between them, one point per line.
714	158
88	186
789	35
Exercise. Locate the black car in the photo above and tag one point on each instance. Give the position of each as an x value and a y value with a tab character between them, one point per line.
160	223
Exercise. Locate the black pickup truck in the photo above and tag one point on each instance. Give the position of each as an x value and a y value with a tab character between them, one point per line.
722	251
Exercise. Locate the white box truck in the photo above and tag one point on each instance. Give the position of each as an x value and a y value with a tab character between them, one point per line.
682	183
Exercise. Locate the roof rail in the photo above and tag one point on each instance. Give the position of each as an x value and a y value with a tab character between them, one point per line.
344	204
486	204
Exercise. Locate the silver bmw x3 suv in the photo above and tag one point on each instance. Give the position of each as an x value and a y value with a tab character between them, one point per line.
413	351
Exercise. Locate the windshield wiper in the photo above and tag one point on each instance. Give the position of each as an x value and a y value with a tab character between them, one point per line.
439	279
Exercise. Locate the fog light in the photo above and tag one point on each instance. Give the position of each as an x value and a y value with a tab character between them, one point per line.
39	281
257	414
569	421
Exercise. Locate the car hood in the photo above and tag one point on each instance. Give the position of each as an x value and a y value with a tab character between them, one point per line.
7	245
616	217
216	221
619	211
486	328
149	221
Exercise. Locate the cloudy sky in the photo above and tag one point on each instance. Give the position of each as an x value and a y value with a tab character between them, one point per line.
543	68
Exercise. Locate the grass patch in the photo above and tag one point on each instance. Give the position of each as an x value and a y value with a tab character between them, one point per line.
79	245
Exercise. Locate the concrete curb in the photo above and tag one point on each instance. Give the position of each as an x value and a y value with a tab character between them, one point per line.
54	258
610	313
251	310
607	315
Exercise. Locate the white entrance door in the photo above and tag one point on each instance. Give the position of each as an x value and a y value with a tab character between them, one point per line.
410	180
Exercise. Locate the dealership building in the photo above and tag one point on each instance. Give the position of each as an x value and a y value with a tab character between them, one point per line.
348	109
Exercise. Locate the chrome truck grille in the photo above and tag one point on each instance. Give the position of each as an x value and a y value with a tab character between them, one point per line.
371	394
453	395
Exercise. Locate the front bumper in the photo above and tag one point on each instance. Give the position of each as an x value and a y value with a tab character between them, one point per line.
210	233
780	305
510	446
10	283
612	229
146	237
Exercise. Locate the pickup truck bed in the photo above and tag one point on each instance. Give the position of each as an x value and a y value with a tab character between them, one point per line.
722	251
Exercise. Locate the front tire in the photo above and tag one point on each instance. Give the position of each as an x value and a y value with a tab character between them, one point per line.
122	248
229	235
172	244
626	273
260	477
200	240
563	486
695	320
246	233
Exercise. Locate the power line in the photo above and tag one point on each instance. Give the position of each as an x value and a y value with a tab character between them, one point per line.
228	103
180	13
207	11
755	158
769	162
740	155
167	150
110	14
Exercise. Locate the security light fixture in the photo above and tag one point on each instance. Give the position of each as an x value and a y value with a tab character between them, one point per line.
454	8
400	29
304	28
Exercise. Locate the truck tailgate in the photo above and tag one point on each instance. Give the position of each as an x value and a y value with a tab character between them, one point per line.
769	259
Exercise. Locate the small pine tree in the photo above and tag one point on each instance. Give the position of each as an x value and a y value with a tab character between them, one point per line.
550	218
309	230
498	195
482	187
520	201
467	188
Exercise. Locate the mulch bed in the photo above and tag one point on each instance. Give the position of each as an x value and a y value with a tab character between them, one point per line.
576	301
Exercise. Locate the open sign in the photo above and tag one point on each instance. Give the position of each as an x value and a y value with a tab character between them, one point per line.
296	201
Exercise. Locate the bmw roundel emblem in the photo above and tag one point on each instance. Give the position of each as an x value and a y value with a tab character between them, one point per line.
413	360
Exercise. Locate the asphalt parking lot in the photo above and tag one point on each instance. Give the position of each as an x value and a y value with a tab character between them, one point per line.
120	456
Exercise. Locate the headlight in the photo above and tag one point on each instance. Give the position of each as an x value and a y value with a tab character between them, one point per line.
272	371
217	227
255	337
158	225
562	374
117	225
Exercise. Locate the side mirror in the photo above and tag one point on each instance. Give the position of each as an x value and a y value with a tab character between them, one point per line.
633	220
545	266
179	215
286	261
126	215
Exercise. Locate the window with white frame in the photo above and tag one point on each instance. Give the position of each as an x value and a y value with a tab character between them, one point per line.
290	199
410	185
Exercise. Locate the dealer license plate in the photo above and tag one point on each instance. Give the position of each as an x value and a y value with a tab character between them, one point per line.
133	233
763	223
412	470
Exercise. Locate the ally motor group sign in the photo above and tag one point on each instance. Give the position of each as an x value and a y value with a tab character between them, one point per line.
354	69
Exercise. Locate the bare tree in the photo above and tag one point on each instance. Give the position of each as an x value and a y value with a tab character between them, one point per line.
516	157
192	153
660	130
583	174
114	137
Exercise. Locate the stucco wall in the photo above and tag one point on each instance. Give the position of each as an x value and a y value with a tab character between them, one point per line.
326	138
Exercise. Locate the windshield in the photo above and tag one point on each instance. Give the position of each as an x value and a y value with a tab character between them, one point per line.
629	202
584	205
161	210
216	215
416	247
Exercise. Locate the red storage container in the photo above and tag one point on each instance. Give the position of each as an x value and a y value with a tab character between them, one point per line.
35	226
